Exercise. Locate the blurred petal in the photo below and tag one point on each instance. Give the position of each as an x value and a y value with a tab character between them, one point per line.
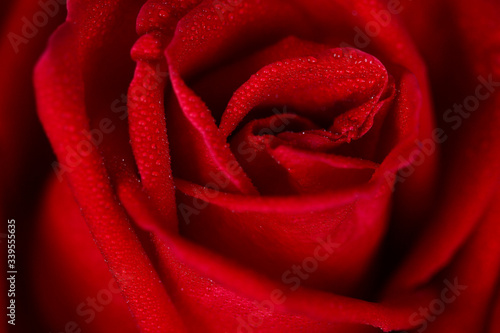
64	294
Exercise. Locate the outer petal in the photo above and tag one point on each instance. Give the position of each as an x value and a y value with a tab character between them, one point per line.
461	239
22	142
156	23
201	281
61	86
473	164
75	287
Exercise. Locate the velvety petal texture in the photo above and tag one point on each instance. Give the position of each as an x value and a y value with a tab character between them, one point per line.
62	100
270	166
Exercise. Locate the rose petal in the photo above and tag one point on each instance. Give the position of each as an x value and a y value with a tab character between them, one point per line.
64	294
286	230
332	77
60	87
203	281
277	168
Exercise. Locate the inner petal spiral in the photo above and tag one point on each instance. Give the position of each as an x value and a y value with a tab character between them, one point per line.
342	88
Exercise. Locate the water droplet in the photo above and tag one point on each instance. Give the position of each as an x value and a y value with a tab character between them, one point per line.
163	13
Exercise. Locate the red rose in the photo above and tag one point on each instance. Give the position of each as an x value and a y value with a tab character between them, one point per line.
269	166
